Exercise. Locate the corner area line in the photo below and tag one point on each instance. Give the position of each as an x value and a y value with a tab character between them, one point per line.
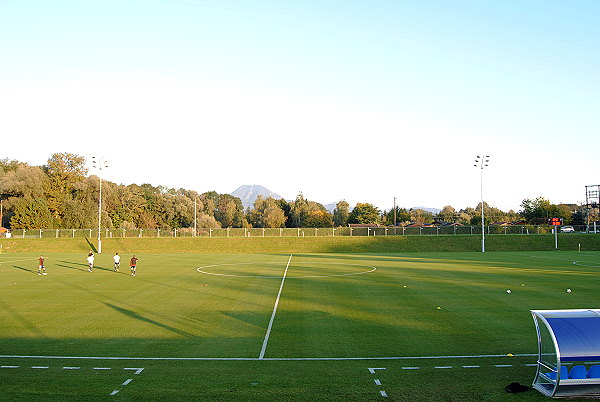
264	346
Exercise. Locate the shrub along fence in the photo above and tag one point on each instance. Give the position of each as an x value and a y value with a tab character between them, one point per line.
289	232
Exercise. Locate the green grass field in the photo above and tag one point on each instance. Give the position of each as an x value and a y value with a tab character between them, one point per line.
196	326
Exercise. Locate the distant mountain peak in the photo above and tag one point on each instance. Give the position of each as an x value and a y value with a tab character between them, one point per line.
248	193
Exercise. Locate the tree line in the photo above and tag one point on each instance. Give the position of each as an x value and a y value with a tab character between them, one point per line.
61	194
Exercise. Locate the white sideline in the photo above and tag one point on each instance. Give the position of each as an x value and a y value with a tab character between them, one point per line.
264	346
266	358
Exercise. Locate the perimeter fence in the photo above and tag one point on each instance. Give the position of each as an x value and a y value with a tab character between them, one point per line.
295	232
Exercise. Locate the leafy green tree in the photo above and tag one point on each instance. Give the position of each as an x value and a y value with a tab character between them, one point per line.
538	211
365	213
273	217
286	208
341	213
23	180
229	211
402	215
31	213
421	216
266	213
578	218
301	208
448	214
64	171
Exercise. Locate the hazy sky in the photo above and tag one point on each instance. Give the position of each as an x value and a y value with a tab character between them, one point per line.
357	100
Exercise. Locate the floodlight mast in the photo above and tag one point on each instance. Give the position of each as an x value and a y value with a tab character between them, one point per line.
481	162
99	163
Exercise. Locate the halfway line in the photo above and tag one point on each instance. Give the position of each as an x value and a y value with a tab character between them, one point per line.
264	346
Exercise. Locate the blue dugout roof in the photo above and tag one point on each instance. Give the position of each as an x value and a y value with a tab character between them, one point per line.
576	332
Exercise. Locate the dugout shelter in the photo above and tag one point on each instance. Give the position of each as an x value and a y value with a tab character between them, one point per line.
568	363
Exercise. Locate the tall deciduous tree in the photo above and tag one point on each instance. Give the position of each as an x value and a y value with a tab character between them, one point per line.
341	213
364	213
402	215
64	171
31	213
267	213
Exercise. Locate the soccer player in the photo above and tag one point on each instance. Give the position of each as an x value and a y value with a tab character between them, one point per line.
41	266
133	264
90	260
117	260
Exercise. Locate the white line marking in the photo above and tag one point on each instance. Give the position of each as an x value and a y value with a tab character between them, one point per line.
39	367
101	368
471	366
443	367
115	392
264	346
372	369
383	394
71	368
137	369
503	365
266	358
9	366
377	382
531	365
127	382
411	368
289	277
21	259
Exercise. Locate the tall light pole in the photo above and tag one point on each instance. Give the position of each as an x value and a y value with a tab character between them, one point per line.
99	164
481	162
395	212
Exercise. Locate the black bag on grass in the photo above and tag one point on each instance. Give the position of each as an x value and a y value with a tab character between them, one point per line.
514	387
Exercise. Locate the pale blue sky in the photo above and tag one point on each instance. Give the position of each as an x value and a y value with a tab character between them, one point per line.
355	100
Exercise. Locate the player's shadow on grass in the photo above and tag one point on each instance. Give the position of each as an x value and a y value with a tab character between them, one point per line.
135	315
75	264
71	267
25	269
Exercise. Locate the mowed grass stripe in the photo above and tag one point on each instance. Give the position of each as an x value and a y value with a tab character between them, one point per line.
171	311
168	309
447	304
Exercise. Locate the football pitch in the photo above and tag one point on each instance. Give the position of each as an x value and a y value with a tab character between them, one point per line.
415	326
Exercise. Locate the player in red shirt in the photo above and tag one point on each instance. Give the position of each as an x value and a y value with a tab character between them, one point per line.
41	266
133	264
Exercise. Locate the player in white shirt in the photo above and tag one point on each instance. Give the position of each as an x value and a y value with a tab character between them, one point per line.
117	260
90	260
